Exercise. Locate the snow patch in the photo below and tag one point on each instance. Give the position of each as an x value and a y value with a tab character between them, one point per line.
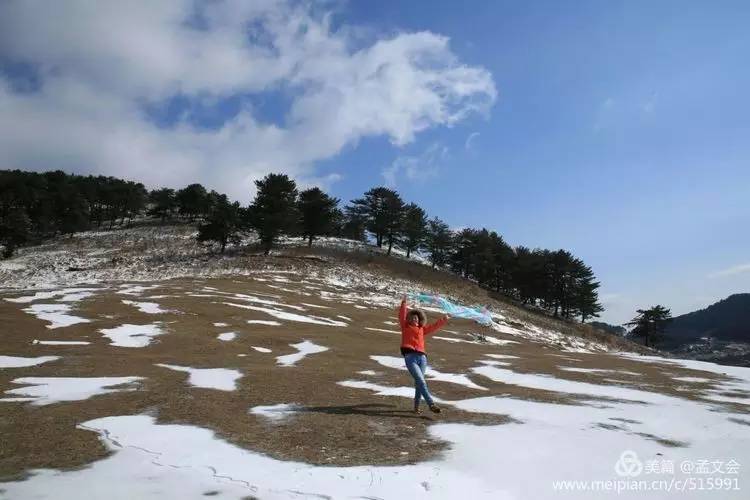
317	320
305	348
146	307
70	293
453	378
276	413
132	335
47	390
55	314
222	379
263	322
21	362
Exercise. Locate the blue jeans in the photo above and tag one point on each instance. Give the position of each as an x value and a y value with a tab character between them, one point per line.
417	365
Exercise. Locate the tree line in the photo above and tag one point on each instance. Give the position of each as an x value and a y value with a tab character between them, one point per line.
34	206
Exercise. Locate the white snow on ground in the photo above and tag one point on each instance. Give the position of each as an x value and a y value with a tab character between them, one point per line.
221	325
596	370
132	335
305	348
276	413
542	438
75	297
166	455
550	337
71	294
48	390
740	373
290	290
135	289
550	383
380	390
146	307
290	316
263	322
60	342
222	379
21	362
692	379
261	349
55	314
227	336
265	302
717	396
368	372
484	339
497	341
502	356
12	266
431	373
494	362
344	317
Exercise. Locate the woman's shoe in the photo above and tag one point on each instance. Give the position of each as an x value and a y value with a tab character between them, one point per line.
417	411
435	408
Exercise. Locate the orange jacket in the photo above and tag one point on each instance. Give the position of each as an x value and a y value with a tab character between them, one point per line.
412	337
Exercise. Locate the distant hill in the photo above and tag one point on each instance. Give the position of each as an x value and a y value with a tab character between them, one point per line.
613	329
728	319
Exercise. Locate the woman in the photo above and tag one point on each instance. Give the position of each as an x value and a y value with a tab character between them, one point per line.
413	332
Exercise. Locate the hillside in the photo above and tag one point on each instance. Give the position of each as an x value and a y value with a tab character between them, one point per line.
155	252
728	320
137	364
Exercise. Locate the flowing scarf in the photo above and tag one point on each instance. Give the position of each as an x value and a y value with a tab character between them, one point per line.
478	313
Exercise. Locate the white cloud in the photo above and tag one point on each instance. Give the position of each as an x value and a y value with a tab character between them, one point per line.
469	144
100	63
731	271
423	166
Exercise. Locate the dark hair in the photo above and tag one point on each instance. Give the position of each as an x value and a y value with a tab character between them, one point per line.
419	313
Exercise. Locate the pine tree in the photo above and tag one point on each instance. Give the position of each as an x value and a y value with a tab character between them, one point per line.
585	297
394	210
414	228
223	223
274	209
439	241
382	209
318	213
529	275
464	250
354	224
650	324
163	203
192	201
15	231
73	215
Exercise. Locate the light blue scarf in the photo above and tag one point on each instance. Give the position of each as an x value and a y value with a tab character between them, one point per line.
479	314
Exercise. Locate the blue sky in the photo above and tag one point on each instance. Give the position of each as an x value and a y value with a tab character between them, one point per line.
616	130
